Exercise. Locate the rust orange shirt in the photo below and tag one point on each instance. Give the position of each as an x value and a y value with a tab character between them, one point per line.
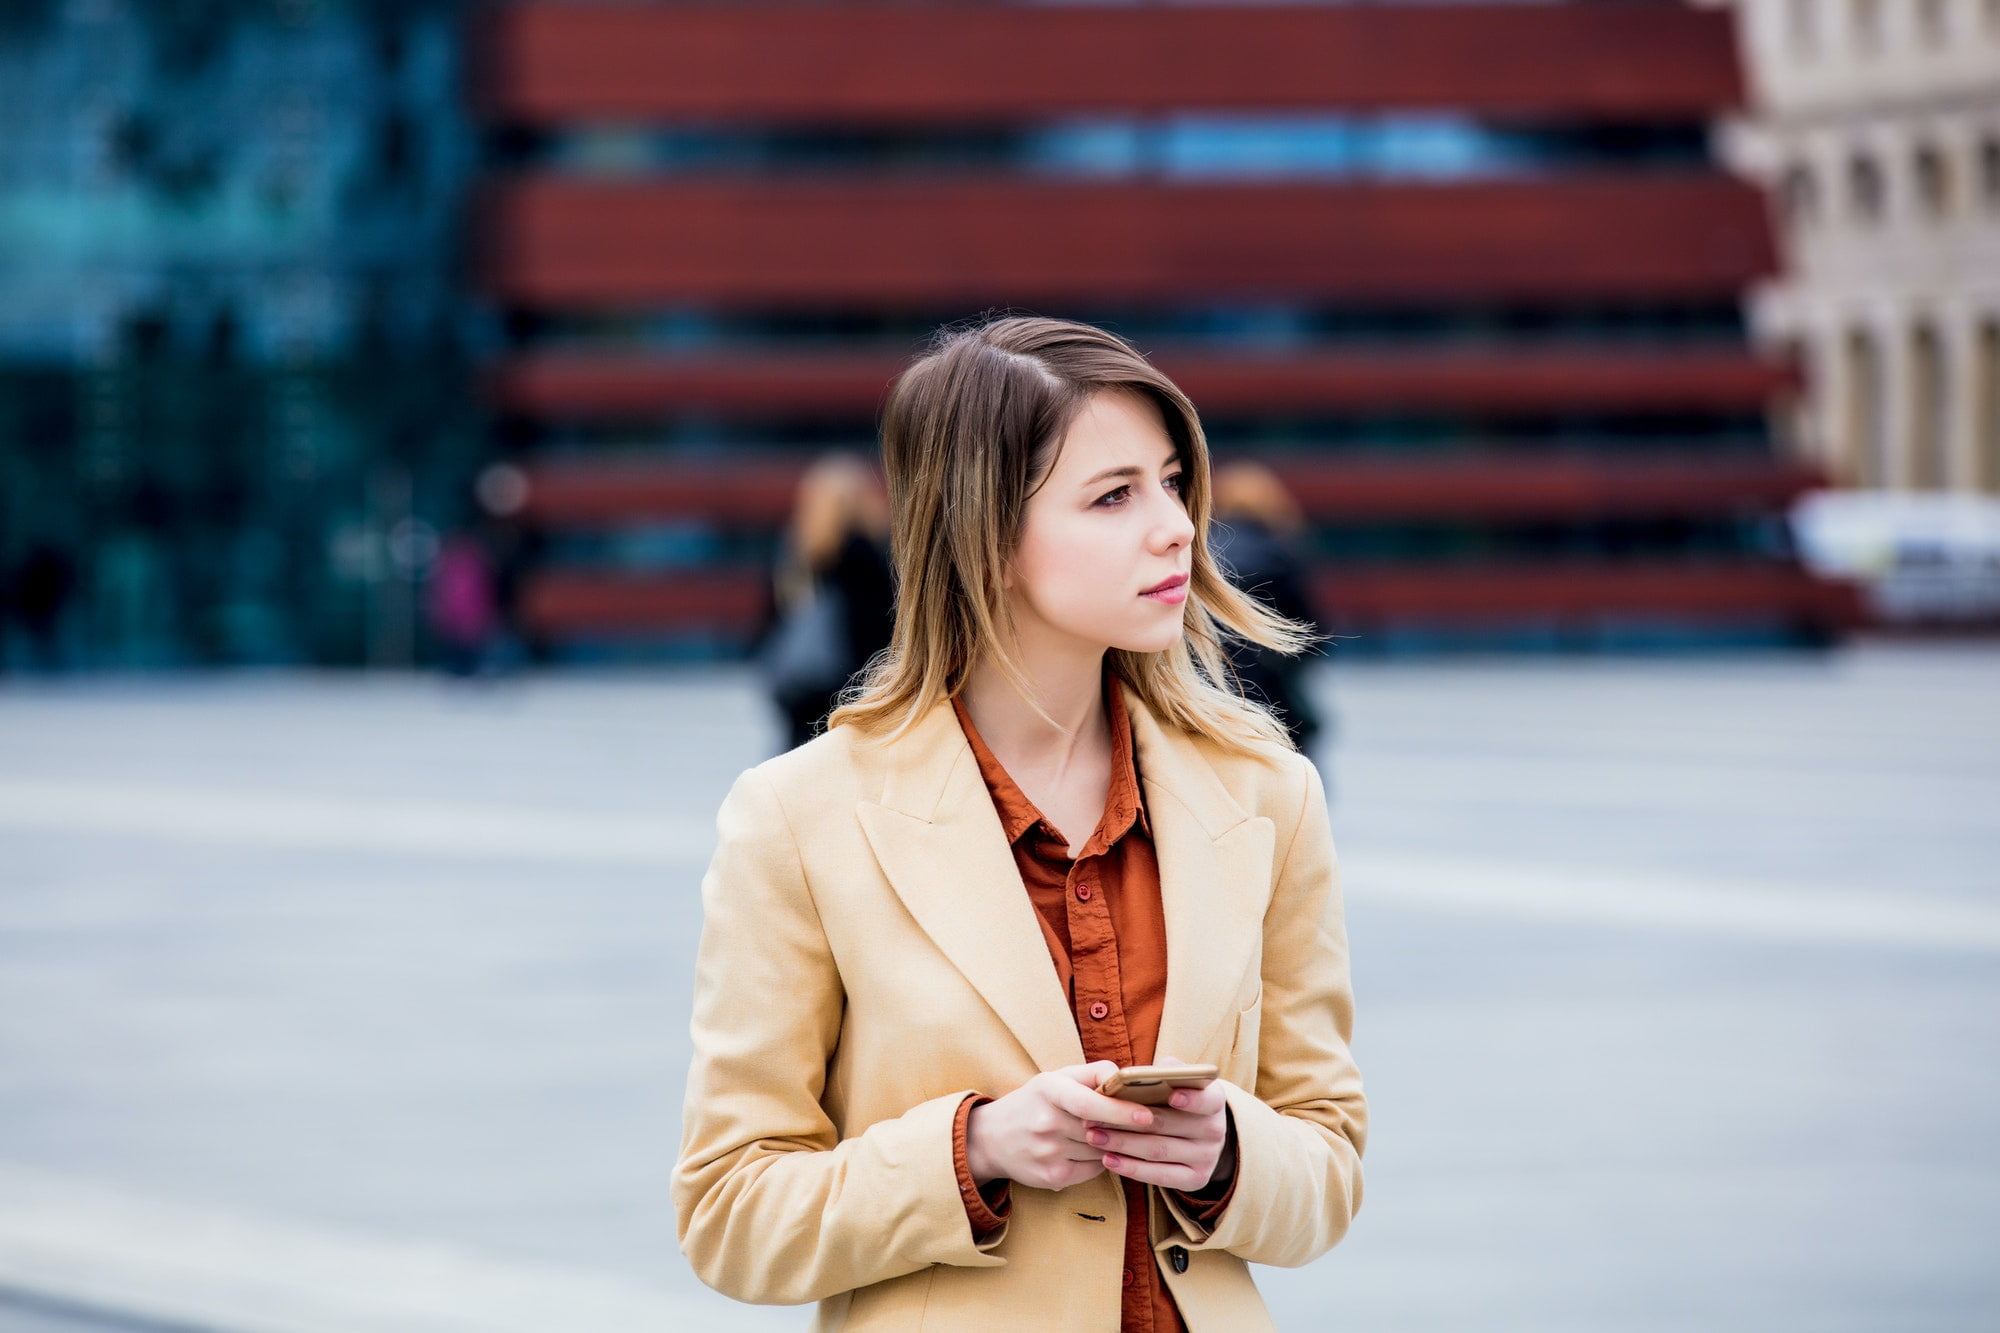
1102	919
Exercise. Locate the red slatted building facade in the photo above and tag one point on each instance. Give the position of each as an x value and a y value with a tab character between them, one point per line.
1504	370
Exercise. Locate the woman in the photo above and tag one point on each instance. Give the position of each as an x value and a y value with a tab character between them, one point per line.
1256	520
1036	843
832	601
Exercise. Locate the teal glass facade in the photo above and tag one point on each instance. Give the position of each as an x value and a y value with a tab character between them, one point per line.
233	410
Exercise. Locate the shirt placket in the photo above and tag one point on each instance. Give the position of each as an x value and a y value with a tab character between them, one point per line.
1094	977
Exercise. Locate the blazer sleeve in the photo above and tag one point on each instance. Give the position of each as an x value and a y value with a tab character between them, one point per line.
1300	1132
771	1205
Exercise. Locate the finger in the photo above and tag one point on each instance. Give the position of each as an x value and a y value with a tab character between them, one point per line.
1205	1099
1186	1124
1084	1104
1078	1151
1091	1075
1200	1101
1064	1140
1074	1173
1149	1147
1167	1174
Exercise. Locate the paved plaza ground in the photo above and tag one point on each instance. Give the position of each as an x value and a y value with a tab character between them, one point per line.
333	1004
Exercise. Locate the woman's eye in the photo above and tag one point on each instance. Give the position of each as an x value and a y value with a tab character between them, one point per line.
1114	496
1175	481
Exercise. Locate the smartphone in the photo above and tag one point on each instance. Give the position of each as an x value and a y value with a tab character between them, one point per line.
1151	1085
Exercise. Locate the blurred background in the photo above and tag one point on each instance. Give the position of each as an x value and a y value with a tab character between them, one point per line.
435	458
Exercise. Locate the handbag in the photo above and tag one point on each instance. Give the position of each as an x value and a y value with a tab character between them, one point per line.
806	656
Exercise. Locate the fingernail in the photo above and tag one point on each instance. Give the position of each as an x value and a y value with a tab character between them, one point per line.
1098	1137
1180	1099
1142	1117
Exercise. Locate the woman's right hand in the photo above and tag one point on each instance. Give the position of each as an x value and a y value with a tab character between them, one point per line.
1035	1134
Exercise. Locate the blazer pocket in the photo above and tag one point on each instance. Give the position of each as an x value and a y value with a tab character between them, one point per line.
1241	1066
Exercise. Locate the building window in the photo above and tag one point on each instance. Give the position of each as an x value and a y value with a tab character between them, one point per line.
1799	191
225	337
1793	412
396	150
146	334
1929	411
1867	23
1862	436
1989	170
1865	188
1986	407
1933	176
1933	21
1802	24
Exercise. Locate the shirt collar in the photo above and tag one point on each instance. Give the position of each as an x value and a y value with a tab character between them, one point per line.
1123	803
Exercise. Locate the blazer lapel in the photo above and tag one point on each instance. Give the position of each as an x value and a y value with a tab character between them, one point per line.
1215	878
939	841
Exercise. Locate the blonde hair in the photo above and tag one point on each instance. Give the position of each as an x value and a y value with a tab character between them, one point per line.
970	430
838	494
1246	489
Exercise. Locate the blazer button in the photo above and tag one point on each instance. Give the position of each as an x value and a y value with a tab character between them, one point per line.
1100	1010
1177	1256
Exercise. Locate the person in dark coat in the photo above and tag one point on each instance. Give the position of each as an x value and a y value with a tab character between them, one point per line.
463	610
41	592
1255	520
831	597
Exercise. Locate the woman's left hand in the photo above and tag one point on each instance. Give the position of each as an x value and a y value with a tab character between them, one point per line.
1187	1146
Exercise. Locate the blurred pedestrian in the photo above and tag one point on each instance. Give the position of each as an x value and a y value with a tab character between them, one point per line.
1257	521
1039	845
513	547
831	598
41	591
464	611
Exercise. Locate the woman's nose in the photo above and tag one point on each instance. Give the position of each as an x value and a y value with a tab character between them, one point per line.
1175	527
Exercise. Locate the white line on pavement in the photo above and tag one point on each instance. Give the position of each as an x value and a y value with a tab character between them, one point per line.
1624	899
1669	902
233	817
92	1247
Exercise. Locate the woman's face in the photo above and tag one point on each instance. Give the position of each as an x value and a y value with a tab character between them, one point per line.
1105	528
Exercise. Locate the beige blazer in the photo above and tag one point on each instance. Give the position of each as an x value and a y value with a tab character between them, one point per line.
868	956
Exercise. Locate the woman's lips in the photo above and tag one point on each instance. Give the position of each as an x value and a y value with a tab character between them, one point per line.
1173	591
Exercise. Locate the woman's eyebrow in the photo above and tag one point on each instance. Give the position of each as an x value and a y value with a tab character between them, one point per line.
1127	471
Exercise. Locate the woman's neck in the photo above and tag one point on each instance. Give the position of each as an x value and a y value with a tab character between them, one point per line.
1070	691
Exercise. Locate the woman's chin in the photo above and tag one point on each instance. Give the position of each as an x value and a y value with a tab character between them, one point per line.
1151	640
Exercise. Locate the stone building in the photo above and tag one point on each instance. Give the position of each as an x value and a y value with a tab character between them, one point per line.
1877	127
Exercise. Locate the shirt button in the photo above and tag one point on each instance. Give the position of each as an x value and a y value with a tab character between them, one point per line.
1100	1009
1083	893
1128	1277
1178	1257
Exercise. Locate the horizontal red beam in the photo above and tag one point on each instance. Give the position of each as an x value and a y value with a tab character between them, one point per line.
598	494
1477	489
975	242
872	63
1580	488
563	604
568	384
576	384
1498	595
